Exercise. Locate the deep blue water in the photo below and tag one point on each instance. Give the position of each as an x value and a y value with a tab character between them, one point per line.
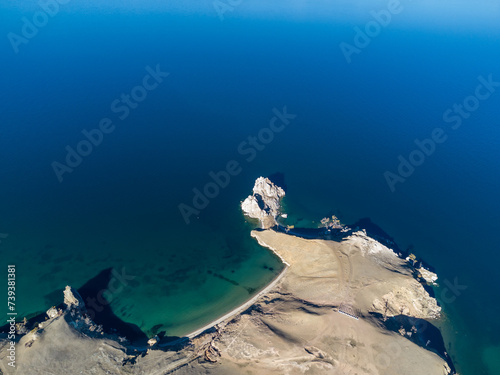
119	207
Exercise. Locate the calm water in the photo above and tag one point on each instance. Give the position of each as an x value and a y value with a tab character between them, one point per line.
119	207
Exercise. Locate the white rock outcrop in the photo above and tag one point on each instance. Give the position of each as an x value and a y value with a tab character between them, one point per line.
410	300
52	312
153	341
428	276
264	203
73	299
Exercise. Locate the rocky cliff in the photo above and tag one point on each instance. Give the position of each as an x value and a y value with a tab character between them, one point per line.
264	203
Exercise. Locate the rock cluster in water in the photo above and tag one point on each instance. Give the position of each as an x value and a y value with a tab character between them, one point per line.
264	203
428	276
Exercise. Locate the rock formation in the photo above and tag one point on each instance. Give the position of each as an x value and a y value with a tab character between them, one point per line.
73	299
52	312
264	203
428	276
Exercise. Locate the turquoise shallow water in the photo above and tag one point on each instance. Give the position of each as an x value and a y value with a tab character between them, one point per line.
165	279
119	207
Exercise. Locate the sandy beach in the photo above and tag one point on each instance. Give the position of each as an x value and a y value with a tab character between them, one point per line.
242	307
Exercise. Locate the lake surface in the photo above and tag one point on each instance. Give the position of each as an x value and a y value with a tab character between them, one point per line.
230	74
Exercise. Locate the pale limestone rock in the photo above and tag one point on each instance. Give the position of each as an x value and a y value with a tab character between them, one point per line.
153	341
410	300
428	276
52	312
264	203
73	299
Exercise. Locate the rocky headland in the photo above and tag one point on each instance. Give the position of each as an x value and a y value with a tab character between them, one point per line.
347	305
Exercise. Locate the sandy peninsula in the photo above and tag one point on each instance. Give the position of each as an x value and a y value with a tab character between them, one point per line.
345	305
292	327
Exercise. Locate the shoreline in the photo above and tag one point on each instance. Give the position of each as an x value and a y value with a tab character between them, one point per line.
266	246
296	323
305	320
239	309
